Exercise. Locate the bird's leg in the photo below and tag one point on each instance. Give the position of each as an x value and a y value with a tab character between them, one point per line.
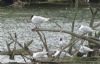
82	41
36	26
61	29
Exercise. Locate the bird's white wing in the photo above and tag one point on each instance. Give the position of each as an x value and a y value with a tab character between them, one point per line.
84	49
43	18
36	19
87	49
67	54
40	55
85	29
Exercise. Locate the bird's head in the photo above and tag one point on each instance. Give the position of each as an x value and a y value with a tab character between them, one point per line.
60	39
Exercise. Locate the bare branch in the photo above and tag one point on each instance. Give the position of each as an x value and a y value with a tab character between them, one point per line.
93	16
58	25
45	41
72	30
96	11
14	49
71	33
91	10
73	23
42	39
8	46
15	41
29	43
96	25
23	57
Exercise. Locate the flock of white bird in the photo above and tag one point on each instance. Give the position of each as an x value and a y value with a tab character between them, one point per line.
38	20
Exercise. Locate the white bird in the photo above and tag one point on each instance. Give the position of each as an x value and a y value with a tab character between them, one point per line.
56	53
65	54
62	55
62	43
85	49
37	20
40	55
85	29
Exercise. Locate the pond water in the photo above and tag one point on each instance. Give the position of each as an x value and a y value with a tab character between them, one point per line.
17	58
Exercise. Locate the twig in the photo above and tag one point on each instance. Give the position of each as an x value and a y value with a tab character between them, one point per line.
29	43
93	16
8	47
92	20
25	47
42	39
73	22
91	10
96	25
15	41
58	25
14	49
45	41
73	25
23	57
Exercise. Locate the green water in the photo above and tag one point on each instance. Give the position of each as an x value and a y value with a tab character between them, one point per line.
62	14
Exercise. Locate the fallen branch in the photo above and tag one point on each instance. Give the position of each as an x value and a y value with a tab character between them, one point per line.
71	33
